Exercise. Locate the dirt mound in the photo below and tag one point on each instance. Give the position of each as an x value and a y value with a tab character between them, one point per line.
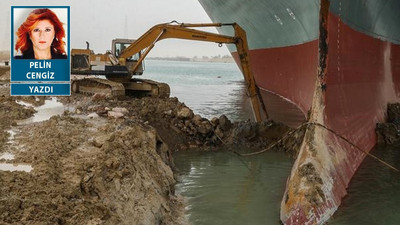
10	111
389	132
4	73
179	127
89	174
109	161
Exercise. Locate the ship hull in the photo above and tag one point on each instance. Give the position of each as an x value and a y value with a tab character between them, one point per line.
286	78
339	82
359	78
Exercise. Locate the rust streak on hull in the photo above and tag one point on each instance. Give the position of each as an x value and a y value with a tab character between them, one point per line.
331	67
351	94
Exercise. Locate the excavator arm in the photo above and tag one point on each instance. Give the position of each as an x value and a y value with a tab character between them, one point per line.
184	31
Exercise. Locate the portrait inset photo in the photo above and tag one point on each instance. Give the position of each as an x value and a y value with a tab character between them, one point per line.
40	33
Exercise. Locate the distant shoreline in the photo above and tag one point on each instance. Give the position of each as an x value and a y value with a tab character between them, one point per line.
5	56
219	59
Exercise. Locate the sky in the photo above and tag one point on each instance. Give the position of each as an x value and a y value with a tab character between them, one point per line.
100	21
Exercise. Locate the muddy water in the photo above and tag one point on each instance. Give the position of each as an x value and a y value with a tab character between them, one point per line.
17	167
50	108
7	156
374	192
12	133
222	188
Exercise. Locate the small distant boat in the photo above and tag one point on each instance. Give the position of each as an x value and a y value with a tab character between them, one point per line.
333	63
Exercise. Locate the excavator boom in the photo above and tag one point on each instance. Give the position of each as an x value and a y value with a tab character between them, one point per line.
123	66
180	31
184	31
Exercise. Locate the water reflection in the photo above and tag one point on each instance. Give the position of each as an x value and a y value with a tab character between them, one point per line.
7	156
374	192
15	167
209	89
222	188
51	107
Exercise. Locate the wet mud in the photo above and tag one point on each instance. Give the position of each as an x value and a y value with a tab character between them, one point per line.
85	170
108	160
4	73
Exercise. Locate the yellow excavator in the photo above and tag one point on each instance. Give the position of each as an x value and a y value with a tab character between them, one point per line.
126	60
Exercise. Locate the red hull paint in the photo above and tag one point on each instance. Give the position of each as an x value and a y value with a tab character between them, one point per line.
359	82
363	75
286	78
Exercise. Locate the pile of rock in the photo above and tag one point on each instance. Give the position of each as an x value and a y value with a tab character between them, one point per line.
179	127
112	113
389	132
204	131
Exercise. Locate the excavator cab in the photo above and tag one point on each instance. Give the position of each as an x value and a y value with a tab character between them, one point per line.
119	45
86	62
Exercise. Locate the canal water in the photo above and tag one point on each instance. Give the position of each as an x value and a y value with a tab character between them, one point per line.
374	192
222	188
210	89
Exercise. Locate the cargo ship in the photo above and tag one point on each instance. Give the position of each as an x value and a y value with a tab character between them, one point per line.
332	65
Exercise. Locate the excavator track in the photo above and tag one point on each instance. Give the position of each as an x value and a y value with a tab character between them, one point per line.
135	87
92	86
160	90
142	87
163	90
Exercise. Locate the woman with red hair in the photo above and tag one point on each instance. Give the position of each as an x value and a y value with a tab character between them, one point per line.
41	36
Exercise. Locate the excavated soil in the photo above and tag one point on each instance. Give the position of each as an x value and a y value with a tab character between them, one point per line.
4	73
179	127
389	132
108	160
